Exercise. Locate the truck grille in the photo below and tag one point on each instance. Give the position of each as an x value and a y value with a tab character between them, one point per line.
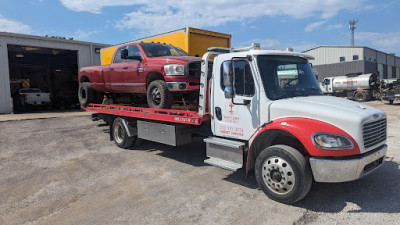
374	132
193	69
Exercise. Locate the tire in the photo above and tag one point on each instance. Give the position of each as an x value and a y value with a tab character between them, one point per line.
86	94
283	174
360	97
158	95
121	137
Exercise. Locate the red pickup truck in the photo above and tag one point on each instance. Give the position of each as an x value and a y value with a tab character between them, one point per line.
158	73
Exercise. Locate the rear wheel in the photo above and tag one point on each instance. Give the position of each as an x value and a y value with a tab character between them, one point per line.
360	96
158	95
283	174
120	135
86	94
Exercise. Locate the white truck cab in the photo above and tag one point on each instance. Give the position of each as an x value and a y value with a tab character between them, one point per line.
268	112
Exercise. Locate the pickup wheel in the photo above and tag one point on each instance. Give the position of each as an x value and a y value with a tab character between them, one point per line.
86	94
158	95
121	137
283	174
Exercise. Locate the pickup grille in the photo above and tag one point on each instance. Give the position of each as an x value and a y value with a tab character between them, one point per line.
374	132
193	69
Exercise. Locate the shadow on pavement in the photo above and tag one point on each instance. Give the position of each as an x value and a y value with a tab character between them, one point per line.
378	192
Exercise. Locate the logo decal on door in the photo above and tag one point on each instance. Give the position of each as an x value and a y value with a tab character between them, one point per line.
230	107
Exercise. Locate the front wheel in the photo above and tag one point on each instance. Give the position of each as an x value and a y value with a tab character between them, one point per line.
283	174
158	95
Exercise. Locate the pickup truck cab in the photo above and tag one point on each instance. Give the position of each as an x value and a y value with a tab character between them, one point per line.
152	71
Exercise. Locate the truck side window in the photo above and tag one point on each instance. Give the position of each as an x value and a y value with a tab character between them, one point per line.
133	50
225	69
244	83
117	58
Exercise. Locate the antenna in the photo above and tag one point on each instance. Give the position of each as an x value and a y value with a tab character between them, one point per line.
352	27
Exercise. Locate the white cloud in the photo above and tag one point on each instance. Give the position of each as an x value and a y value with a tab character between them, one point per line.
13	26
95	6
313	26
265	43
388	42
155	16
334	26
84	34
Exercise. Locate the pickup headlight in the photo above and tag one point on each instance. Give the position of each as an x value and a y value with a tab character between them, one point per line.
331	141
174	69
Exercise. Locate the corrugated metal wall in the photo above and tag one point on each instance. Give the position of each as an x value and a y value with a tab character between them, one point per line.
329	55
86	57
341	69
327	59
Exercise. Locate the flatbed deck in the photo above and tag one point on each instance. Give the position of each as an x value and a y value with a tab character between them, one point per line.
165	115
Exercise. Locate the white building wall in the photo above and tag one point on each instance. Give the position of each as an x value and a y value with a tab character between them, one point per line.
369	55
5	93
381	57
390	60
329	55
86	57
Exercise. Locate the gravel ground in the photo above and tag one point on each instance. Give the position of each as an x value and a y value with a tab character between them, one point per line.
66	171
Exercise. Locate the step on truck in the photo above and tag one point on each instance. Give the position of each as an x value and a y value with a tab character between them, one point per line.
262	111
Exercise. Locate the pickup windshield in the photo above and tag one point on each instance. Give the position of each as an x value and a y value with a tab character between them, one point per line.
287	77
158	50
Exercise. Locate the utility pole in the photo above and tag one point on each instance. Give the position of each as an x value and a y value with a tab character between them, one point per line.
352	27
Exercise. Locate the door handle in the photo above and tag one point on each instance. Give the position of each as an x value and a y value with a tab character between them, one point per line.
111	68
125	67
218	113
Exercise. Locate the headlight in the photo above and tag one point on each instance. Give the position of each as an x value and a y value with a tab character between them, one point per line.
174	69
331	141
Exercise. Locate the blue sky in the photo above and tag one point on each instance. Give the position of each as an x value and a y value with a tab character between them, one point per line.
301	24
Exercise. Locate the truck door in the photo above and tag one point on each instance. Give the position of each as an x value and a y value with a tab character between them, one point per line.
134	80
115	79
235	116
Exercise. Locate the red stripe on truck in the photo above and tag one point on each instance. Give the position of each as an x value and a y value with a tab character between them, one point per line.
304	128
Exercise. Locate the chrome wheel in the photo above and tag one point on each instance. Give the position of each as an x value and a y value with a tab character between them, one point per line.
278	175
156	96
119	133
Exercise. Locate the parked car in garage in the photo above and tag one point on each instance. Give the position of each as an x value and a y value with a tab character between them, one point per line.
34	96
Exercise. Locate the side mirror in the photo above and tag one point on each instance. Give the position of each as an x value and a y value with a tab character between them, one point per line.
228	91
124	53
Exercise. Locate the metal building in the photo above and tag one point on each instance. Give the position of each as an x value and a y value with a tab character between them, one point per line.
49	63
341	60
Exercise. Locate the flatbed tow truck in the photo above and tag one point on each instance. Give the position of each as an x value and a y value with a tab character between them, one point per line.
263	111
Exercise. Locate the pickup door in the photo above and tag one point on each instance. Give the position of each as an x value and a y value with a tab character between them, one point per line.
123	73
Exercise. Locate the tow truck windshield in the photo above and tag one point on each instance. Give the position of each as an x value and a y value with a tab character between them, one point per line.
287	77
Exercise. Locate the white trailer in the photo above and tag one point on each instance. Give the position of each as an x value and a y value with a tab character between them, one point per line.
360	87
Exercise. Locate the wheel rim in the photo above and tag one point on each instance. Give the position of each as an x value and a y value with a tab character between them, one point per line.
278	175
83	93
119	133
156	96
